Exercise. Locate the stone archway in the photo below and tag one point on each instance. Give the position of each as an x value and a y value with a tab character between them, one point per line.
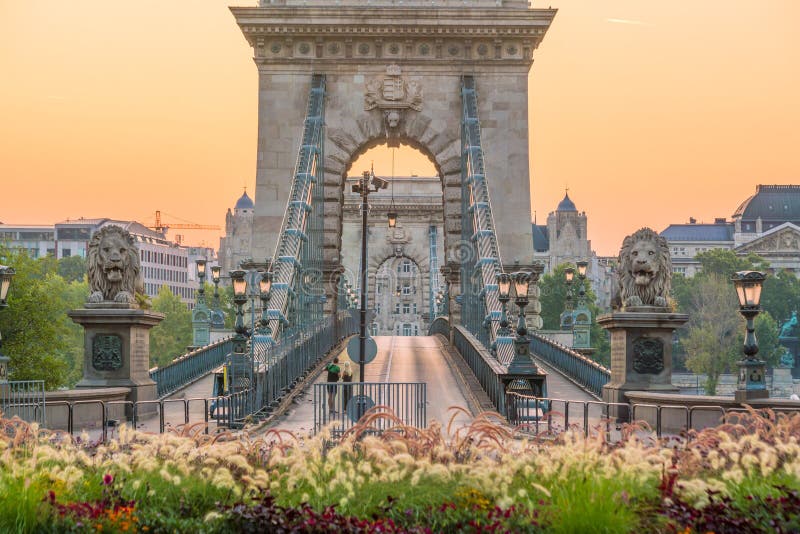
395	69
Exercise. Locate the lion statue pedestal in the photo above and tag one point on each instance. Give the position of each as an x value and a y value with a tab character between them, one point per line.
116	331
642	327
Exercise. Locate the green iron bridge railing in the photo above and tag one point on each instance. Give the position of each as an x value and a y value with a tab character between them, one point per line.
185	369
580	369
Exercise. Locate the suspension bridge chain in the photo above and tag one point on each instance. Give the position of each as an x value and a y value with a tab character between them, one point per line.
293	302
481	304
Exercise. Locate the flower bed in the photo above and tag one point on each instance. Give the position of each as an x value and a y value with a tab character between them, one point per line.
743	476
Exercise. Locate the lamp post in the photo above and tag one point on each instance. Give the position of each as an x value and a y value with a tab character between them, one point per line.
239	299
582	316
582	265
217	318
504	295
6	274
368	183
265	288
567	316
201	317
522	374
201	276
752	371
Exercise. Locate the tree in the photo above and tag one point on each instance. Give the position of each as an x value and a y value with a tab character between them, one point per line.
781	295
38	336
769	349
714	324
72	268
170	338
725	262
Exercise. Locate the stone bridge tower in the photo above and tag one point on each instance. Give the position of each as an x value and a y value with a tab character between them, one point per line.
393	74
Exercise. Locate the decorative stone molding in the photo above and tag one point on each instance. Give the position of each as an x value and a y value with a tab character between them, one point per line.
392	91
430	34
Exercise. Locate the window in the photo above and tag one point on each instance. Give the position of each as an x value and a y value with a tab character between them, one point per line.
406	308
414	307
406	290
406	266
66	252
406	329
397	308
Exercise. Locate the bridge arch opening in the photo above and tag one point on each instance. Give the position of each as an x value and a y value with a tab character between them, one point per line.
403	262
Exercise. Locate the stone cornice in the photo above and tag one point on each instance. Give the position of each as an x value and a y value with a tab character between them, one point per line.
364	35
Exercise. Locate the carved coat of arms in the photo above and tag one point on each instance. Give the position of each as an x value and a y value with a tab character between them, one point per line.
392	91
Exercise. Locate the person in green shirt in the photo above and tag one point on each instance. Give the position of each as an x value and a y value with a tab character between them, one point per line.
334	371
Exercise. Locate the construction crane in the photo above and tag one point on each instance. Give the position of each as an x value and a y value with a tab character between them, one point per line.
163	227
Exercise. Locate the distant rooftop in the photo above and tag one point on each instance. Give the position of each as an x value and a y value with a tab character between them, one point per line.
771	203
699	232
541	238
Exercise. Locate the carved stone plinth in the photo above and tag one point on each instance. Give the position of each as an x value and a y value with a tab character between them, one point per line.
641	352
117	351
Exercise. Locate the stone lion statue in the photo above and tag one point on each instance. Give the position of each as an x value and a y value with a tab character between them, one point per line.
645	270
114	268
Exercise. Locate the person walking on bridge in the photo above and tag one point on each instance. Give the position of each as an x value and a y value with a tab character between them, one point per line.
334	371
347	389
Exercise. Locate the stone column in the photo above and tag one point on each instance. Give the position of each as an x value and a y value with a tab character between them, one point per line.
641	352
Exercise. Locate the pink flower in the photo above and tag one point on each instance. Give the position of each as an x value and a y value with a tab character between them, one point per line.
108	479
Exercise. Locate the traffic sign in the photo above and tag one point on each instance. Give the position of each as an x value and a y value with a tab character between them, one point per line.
370	349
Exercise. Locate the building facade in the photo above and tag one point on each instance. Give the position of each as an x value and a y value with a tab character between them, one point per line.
237	244
403	262
162	261
564	239
767	224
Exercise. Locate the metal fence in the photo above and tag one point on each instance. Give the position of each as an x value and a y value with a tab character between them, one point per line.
585	371
345	403
276	368
551	416
189	367
25	399
487	368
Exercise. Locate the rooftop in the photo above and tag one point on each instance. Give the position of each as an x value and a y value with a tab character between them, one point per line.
773	203
699	232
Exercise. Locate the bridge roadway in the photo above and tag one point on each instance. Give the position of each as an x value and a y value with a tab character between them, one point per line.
399	359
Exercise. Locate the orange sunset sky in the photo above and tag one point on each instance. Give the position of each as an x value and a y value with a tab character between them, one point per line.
649	111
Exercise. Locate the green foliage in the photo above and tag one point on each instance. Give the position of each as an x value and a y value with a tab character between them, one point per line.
72	268
714	326
769	349
725	262
714	338
41	340
781	295
170	338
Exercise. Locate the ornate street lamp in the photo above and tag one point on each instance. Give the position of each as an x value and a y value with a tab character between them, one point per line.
752	371
582	265
239	299
265	288
369	183
567	317
504	295
522	374
217	318
392	215
6	274
582	316
201	276
201	315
